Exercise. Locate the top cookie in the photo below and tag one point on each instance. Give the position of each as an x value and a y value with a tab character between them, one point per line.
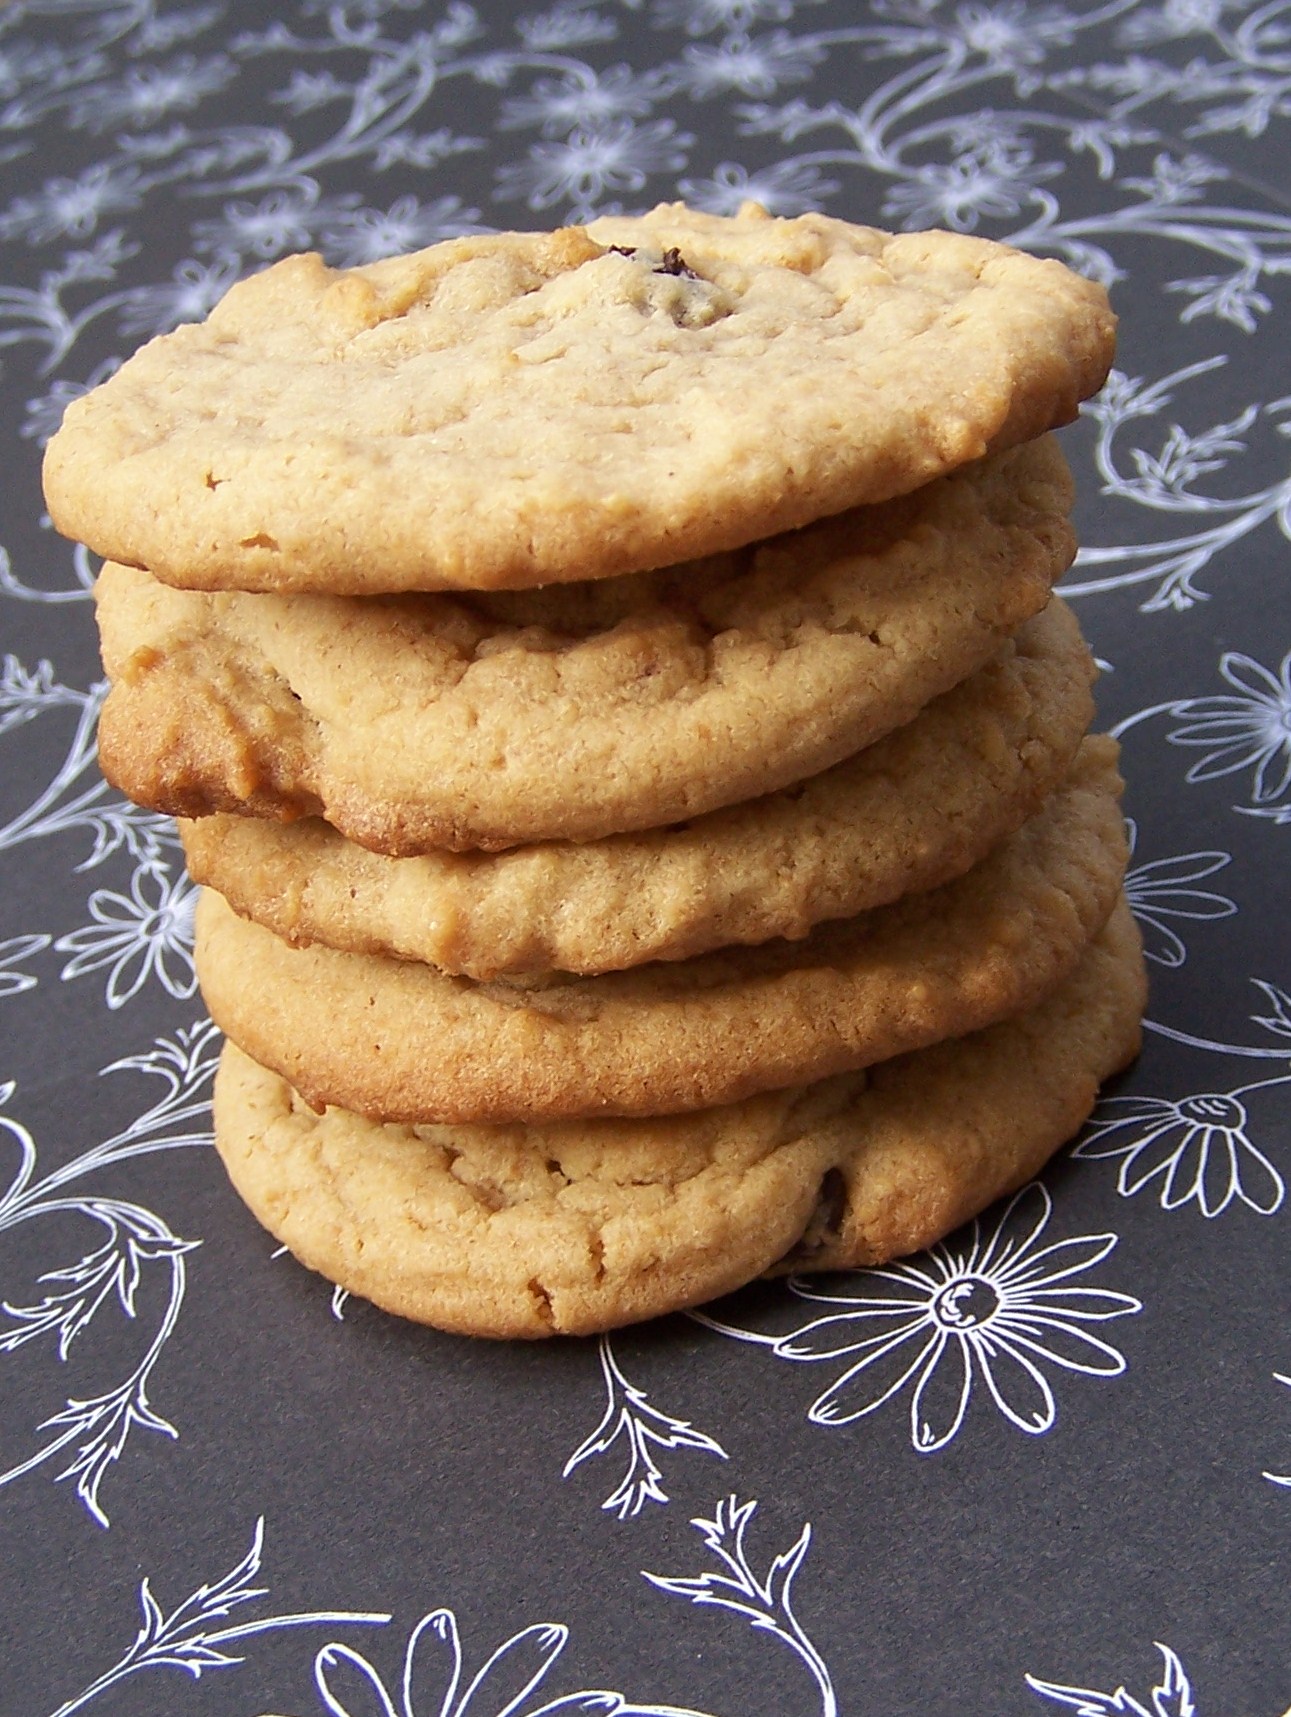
524	409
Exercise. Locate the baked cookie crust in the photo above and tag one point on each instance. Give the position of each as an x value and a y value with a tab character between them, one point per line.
910	812
580	711
397	1040
521	409
583	1226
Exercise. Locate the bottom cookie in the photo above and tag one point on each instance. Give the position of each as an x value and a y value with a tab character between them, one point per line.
581	1226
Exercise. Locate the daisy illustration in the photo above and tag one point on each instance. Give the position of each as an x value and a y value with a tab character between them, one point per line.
583	98
757	65
72	208
993	1311
148	93
620	156
988	182
784	188
1156	892
1250	730
1197	1149
192	292
431	1681
366	235
151	931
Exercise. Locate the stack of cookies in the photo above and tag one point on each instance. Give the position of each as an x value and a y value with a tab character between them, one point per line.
611	684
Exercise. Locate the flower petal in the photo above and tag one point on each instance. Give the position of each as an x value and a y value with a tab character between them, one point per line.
882	1381
833	1337
1087	1305
122	985
1185	1174
364	1695
1020	1226
1259	1184
1055	1263
1066	1345
1020	1390
1228	760
518	1665
1252	677
941	1398
441	1625
92	948
1270	779
1183	867
104	904
1198	903
907	1285
1155	1155
1114	1113
1219	1181
175	968
1160	943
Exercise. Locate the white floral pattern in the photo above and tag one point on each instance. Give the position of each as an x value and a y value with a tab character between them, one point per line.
147	933
505	1685
1197	1148
995	1311
152	154
643	1429
1155	894
1171	1697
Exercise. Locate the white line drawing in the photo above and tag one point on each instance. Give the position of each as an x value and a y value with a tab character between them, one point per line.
1248	730
993	1309
339	1296
767	1603
14	952
349	1685
83	572
148	932
1197	1148
1283	1479
78	797
1248	80
185	1640
1277	1021
1155	893
1171	1697
1165	481
94	1431
629	1415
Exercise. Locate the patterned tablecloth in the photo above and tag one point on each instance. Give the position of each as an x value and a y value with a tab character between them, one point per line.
1045	1467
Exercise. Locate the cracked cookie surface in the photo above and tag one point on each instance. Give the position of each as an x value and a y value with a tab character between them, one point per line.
397	1040
520	409
492	719
906	814
584	1226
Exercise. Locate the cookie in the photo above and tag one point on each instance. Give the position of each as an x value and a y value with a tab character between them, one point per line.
398	1040
582	1226
439	721
520	409
904	815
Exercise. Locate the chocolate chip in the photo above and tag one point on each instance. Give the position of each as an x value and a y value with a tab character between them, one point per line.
674	263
